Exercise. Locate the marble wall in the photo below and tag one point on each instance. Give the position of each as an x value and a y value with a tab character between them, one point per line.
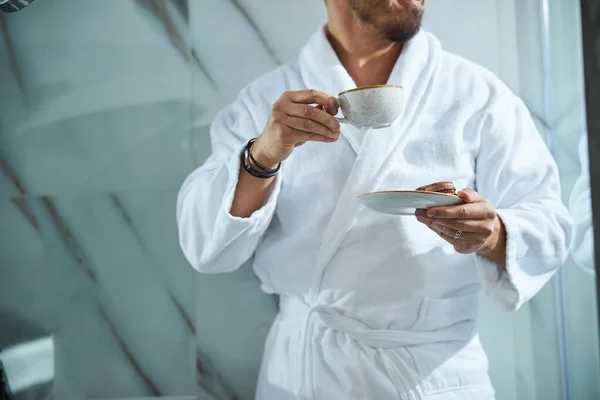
104	109
96	135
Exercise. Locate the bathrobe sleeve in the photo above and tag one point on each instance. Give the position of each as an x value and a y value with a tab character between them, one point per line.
580	205
213	240
517	173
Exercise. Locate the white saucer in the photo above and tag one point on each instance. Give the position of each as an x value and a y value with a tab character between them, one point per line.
405	202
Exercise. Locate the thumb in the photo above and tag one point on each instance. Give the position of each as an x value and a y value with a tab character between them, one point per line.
469	196
332	106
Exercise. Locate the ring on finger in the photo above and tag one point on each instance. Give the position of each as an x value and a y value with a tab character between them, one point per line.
457	234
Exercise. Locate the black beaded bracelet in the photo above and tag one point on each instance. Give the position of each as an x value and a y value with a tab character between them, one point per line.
265	170
245	155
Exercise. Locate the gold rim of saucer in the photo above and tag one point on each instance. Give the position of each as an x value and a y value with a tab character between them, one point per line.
407	191
370	87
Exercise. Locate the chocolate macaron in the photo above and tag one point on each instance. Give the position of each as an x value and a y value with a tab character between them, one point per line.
439	187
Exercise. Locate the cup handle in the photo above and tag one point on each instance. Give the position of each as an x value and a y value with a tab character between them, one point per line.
341	120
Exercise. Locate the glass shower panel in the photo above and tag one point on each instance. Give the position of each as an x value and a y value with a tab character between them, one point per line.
95	115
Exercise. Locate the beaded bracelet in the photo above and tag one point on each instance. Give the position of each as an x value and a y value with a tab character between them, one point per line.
265	173
265	170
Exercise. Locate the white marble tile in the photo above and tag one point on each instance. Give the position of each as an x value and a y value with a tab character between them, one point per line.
530	57
46	289
496	334
229	47
37	285
144	147
8	188
90	362
84	276
545	342
155	398
478	36
234	317
79	65
102	109
12	96
151	219
566	56
200	143
297	21
581	326
134	297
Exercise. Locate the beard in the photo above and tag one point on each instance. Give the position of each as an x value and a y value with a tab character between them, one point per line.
394	24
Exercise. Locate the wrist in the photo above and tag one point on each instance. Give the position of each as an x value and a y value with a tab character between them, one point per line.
495	247
260	155
492	242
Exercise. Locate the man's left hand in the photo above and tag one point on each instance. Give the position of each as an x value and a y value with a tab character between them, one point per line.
472	227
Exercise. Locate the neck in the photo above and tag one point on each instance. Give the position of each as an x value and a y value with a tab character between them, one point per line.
368	58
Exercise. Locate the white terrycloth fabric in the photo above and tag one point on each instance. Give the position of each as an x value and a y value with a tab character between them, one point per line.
580	205
376	306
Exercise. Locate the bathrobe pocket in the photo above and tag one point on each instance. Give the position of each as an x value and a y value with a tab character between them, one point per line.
458	360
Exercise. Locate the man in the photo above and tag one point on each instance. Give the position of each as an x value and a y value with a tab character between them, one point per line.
375	306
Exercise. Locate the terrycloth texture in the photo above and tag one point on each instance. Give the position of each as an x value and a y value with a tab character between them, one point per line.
580	205
377	306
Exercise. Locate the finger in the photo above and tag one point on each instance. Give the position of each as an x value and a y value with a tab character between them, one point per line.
450	232
480	210
310	126
329	109
472	238
470	196
303	137
332	106
482	227
421	213
323	108
312	97
312	113
462	247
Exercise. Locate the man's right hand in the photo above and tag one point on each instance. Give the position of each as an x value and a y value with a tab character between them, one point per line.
294	121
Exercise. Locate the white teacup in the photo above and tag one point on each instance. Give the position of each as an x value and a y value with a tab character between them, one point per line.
371	107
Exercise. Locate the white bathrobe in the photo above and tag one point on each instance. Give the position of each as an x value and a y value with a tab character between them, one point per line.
375	306
580	206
